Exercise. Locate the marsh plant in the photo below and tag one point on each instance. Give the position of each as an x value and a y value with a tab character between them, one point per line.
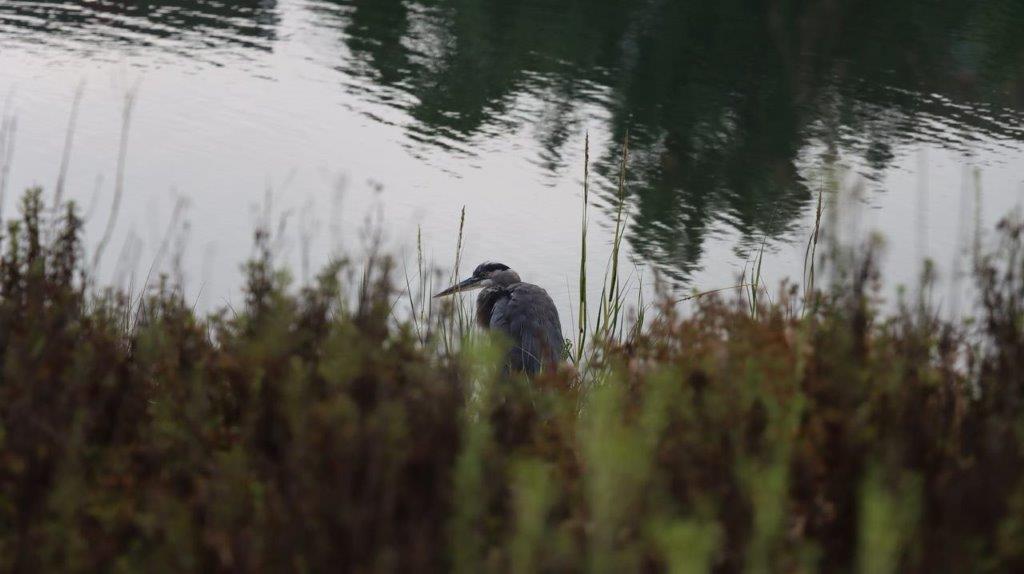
311	430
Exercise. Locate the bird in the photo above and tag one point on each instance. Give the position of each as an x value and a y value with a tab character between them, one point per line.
521	311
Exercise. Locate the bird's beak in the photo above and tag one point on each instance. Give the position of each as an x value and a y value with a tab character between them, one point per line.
465	285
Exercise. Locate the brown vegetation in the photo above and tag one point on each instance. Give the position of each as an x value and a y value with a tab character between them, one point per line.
313	431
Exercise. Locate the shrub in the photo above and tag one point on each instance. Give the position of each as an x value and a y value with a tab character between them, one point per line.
313	431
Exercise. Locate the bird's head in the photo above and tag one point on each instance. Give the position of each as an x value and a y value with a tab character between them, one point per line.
485	275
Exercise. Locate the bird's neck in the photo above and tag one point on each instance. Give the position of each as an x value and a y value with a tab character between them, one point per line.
485	301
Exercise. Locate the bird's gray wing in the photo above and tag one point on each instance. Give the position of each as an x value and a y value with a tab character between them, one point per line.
529	317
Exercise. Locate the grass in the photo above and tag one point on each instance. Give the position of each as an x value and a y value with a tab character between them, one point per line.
115	206
316	427
609	324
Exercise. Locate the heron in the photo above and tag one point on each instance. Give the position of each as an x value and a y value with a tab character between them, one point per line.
522	311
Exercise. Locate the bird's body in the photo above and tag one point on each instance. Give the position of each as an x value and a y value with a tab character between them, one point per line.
522	311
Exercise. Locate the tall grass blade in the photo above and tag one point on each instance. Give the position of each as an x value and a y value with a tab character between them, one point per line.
122	154
582	323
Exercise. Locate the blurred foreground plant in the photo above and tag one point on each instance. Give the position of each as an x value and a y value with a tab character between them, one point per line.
311	431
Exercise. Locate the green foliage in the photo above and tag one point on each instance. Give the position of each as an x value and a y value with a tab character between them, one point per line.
313	431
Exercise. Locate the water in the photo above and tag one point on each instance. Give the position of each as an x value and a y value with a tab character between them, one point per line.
335	117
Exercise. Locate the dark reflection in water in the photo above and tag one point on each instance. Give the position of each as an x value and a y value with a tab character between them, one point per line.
723	101
719	98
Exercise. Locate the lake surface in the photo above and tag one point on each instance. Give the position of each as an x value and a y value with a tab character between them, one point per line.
337	116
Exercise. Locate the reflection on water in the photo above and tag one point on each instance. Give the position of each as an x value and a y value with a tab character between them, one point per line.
722	101
185	26
719	98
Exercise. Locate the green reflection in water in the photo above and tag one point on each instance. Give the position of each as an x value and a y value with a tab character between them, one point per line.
719	98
